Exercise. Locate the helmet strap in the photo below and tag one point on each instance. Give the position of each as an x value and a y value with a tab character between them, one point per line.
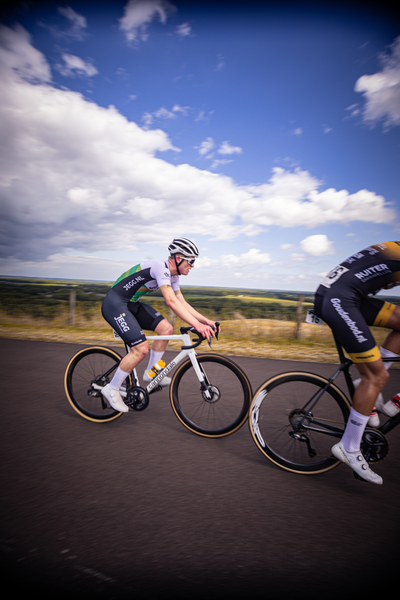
178	265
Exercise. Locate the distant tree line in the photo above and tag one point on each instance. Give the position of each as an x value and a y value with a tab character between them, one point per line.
43	298
46	299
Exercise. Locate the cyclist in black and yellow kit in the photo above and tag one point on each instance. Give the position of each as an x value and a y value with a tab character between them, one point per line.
128	316
344	300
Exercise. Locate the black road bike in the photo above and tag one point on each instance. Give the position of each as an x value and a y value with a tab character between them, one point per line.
296	417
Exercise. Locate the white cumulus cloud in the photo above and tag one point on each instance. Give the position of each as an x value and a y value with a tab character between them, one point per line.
382	90
292	199
226	148
317	245
75	64
138	14
235	261
17	55
206	146
75	175
183	30
78	22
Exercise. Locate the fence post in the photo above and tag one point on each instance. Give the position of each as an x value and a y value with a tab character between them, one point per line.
72	305
299	315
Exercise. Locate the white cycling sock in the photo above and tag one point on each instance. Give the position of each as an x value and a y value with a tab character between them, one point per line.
154	357
387	354
118	379
353	433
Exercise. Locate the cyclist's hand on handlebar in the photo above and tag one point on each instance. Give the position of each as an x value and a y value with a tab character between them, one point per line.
206	331
215	326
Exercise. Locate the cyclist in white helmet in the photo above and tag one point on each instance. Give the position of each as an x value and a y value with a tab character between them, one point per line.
125	313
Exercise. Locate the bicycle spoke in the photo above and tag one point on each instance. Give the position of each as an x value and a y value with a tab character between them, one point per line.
289	435
85	367
221	406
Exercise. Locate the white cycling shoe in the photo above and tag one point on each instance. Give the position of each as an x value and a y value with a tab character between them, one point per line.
357	462
164	382
390	408
114	398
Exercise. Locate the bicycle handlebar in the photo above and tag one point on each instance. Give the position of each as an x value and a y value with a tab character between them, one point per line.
197	341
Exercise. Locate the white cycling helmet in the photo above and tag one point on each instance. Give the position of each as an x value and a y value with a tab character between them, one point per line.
183	247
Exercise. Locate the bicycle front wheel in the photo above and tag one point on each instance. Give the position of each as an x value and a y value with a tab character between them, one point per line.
88	371
289	431
221	406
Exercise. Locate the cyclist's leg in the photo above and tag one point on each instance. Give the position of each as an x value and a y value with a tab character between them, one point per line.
117	313
343	314
157	350
374	377
164	327
351	318
150	319
360	344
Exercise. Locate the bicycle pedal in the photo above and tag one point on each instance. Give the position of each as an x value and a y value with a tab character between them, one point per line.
356	475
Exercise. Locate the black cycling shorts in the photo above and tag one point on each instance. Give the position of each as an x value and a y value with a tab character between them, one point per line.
129	318
350	316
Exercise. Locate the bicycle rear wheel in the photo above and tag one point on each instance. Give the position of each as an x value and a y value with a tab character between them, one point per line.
282	432
220	409
87	366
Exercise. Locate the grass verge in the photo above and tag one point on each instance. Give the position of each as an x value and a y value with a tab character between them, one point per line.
263	338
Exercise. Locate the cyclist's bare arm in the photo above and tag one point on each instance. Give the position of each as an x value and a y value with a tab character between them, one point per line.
193	311
183	313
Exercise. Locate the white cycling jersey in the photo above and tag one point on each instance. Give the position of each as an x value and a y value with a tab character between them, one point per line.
143	278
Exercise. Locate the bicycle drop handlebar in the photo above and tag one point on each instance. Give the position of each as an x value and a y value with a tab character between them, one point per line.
197	341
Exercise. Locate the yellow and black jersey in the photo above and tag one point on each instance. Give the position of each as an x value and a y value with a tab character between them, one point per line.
344	299
366	272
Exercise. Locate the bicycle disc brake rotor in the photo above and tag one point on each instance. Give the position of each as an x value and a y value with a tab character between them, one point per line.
211	394
137	398
374	446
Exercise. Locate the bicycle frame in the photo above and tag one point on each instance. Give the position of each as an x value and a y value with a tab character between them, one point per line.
345	364
187	350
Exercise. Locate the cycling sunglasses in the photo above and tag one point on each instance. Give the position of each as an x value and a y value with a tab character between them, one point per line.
191	261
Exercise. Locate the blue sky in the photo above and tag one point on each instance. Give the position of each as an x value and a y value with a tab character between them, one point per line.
269	133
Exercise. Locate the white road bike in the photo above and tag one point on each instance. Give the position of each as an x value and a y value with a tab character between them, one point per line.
209	394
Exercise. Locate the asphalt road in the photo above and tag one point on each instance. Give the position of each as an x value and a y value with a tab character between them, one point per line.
142	508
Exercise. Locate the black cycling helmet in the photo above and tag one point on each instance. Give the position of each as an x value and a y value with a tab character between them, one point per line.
184	247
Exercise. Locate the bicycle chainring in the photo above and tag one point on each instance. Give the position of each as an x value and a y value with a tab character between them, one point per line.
374	445
137	398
